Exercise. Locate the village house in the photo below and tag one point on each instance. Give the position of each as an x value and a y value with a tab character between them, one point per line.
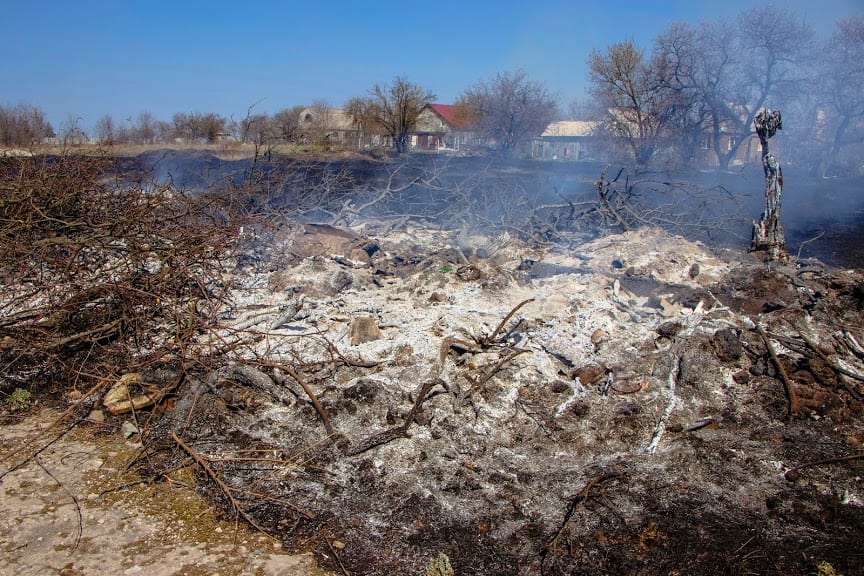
567	140
440	127
329	127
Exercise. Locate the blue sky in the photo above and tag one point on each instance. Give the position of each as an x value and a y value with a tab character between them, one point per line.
84	58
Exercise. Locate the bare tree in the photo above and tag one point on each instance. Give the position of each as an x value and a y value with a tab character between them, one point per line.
509	109
256	128
198	127
318	123
23	125
144	128
841	96
392	108
286	124
106	131
636	92
733	69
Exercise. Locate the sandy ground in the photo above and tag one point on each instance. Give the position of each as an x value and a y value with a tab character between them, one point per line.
72	510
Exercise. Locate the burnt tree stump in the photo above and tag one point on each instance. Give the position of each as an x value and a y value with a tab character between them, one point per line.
768	232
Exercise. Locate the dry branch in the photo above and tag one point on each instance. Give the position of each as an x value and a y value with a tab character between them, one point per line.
787	383
489	340
224	488
580	497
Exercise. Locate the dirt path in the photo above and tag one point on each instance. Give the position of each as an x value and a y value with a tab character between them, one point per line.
72	510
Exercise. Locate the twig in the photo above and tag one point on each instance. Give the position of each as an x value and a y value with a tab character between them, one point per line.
792	473
222	486
580	497
56	421
401	431
798	257
338	559
492	337
486	376
285	503
74	498
790	390
312	397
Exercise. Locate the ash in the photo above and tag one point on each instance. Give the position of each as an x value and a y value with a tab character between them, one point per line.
630	404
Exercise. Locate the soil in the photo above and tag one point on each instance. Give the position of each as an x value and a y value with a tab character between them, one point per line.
74	509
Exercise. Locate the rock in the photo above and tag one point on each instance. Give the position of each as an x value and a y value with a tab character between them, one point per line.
669	329
96	417
598	337
727	345
325	240
694	271
589	373
129	429
119	398
440	566
364	329
468	273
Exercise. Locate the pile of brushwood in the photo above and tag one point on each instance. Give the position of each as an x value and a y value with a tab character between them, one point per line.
713	427
100	275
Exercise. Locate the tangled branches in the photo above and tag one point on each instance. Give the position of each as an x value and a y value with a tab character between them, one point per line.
98	273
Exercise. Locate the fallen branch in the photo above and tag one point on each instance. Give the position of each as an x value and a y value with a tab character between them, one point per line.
671	381
226	490
580	497
103	331
831	362
792	473
401	431
787	383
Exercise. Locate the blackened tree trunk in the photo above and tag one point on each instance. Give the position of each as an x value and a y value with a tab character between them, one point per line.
768	232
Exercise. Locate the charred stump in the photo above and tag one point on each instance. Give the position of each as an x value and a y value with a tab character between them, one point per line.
768	232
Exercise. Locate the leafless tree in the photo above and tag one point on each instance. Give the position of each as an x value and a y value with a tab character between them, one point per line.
392	108
198	127
636	91
144	128
734	68
106	131
509	109
319	123
286	124
841	97
23	125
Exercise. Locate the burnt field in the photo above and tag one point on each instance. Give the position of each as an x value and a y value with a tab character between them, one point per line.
825	215
458	366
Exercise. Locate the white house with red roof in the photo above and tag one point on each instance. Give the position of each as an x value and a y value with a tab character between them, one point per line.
442	127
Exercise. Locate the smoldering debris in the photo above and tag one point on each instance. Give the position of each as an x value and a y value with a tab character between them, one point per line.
614	412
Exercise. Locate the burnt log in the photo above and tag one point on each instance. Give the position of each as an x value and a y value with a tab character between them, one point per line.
768	231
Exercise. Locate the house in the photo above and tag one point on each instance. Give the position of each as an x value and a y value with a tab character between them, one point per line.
439	127
329	127
567	140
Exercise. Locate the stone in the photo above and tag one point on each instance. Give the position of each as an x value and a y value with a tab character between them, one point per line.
364	329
